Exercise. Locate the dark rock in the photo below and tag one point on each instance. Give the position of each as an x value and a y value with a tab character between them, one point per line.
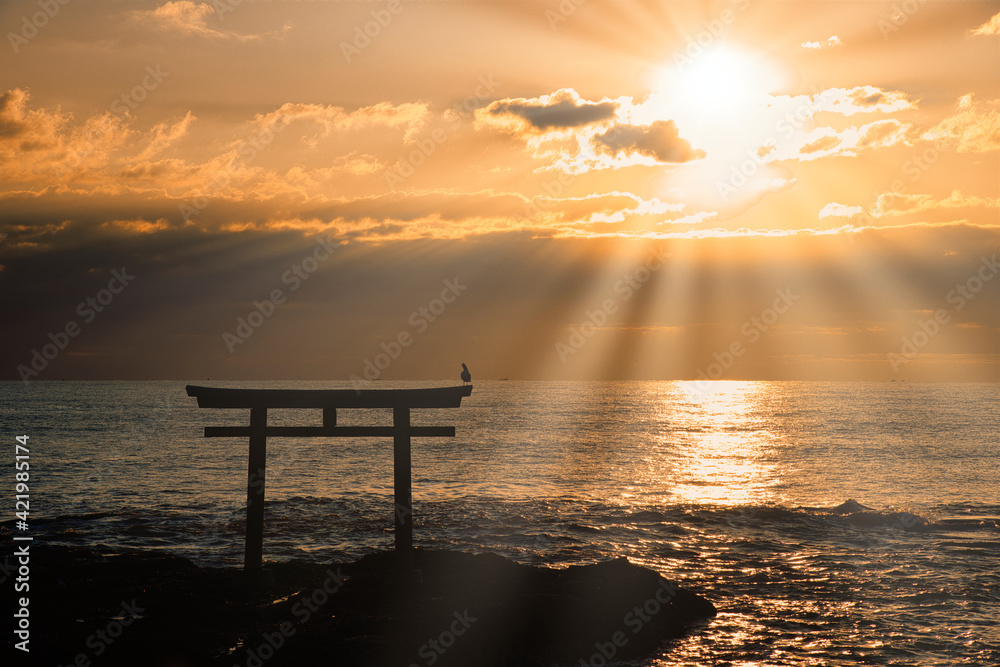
459	609
849	507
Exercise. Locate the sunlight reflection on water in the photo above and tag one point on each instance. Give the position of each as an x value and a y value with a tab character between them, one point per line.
712	443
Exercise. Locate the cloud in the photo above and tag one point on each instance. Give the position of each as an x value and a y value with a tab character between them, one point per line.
659	140
412	116
42	148
862	99
899	204
824	143
561	110
991	27
188	18
163	135
849	142
610	207
882	133
974	128
835	210
692	219
12	112
576	136
138	226
827	43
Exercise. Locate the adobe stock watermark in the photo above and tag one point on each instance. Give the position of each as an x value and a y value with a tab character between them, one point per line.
625	288
99	641
555	186
37	21
432	650
248	149
635	620
914	167
294	277
566	8
751	331
420	320
88	309
302	610
364	34
120	106
131	100
712	31
898	16
784	130
407	165
959	296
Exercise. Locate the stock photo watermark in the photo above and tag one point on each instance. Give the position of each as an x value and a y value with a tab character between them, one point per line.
121	106
303	609
88	309
752	330
898	16
635	620
407	165
262	310
248	149
30	26
713	30
419	320
131	100
365	34
625	288
959	296
784	129
554	187
103	638
432	650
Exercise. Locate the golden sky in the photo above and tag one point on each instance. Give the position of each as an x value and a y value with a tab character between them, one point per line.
585	189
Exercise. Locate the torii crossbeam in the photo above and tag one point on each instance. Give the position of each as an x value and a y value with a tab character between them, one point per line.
328	400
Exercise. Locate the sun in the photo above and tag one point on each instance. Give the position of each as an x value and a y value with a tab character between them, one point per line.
723	100
721	81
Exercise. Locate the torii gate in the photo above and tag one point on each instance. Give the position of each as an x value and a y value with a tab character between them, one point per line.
328	400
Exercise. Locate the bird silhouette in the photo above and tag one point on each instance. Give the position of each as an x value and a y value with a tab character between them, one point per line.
466	375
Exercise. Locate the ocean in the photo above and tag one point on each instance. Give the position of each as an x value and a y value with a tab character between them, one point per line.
830	523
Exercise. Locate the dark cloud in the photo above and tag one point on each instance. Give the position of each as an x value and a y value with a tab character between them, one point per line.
658	140
864	97
562	109
12	113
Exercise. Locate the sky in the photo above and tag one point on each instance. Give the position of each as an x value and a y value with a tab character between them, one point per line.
575	190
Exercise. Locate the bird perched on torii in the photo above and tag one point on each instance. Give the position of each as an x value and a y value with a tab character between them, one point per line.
466	375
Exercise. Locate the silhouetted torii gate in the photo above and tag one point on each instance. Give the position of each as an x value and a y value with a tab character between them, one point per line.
328	400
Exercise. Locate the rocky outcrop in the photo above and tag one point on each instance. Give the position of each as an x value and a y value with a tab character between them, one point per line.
459	609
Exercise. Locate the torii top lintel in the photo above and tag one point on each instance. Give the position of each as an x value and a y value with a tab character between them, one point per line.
435	397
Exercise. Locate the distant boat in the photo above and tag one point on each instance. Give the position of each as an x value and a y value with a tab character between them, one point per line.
503	379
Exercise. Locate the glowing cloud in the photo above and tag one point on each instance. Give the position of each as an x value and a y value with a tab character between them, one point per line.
827	43
974	128
991	27
835	210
